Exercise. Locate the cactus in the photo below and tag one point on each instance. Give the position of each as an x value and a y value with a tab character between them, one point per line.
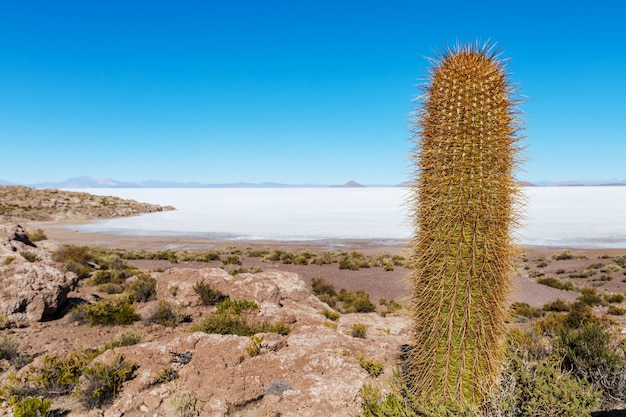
464	204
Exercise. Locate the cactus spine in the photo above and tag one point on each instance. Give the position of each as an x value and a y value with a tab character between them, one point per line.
464	203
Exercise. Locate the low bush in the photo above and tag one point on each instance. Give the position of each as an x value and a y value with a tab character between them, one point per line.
331	314
111	288
4	321
616	311
58	376
231	318
254	345
8	348
373	368
144	288
29	256
31	407
321	286
75	258
102	382
586	273
208	295
8	260
519	309
168	314
37	235
557	305
357	302
556	283
565	255
614	298
391	306
117	309
165	375
590	297
107	276
184	403
610	268
359	330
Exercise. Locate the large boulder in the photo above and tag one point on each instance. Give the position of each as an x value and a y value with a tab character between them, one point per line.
32	286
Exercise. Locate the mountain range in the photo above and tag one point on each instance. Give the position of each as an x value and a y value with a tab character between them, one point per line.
94	182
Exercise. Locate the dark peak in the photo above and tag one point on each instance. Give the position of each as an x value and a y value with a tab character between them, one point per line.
350	184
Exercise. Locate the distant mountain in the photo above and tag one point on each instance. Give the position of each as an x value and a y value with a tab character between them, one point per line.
579	182
349	184
3	182
94	182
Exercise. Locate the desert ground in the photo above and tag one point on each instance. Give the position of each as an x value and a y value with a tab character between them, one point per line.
322	356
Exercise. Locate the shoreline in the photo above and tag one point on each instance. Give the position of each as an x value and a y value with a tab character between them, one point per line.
62	232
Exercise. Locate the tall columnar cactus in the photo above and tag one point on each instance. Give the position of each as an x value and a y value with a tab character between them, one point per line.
464	203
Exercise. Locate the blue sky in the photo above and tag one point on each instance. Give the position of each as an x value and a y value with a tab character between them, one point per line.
289	91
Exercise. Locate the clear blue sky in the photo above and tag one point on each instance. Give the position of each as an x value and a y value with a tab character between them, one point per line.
289	91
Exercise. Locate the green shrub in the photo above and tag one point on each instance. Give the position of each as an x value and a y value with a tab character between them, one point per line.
29	256
230	319
391	306
321	286
557	305
373	368
359	330
4	321
614	298
225	323
144	288
166	375
8	348
108	276
184	402
232	260
75	258
8	260
255	253
525	310
37	235
58	376
111	288
556	283
168	314
277	327
102	383
565	255
31	407
125	338
208	295
610	268
590	297
616	311
620	260
357	302
254	345
586	273
117	309
331	314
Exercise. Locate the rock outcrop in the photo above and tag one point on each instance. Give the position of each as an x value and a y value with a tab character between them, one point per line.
18	203
313	371
32	286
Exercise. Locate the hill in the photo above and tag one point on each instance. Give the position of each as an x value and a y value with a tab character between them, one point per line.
24	203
